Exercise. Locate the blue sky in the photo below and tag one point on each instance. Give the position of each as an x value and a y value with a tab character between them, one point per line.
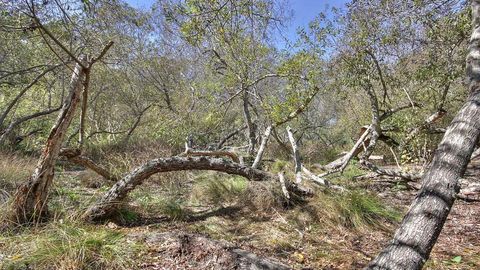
304	11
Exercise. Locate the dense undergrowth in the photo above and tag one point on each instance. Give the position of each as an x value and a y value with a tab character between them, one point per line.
316	232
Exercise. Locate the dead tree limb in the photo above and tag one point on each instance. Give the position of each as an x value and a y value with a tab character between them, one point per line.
296	156
435	117
23	119
109	202
341	163
392	173
203	153
281	179
75	156
356	148
262	147
230	135
190	152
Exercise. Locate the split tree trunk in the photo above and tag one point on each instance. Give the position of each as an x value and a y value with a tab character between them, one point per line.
421	226
30	201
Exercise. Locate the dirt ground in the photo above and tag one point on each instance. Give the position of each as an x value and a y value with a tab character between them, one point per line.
209	242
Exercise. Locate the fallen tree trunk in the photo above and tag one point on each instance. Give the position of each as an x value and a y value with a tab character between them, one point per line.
421	226
109	202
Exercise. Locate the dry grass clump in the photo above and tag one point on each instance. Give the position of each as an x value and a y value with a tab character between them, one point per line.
14	169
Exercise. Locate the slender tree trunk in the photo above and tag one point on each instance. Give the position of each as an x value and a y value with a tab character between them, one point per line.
83	114
250	126
296	156
421	226
263	145
30	201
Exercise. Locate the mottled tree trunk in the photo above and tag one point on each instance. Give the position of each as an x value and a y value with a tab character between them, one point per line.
421	226
30	201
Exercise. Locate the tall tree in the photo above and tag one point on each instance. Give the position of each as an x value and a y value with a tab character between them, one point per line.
421	226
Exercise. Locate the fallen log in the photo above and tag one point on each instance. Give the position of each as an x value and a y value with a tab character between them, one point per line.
109	202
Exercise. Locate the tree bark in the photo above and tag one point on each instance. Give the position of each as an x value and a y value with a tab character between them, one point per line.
83	114
30	201
421	226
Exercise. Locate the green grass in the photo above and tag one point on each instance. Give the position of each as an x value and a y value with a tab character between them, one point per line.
351	210
67	246
218	190
174	209
358	209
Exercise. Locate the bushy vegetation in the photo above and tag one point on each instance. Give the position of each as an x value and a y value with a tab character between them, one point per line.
98	98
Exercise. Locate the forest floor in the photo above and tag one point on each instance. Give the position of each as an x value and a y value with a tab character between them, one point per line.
189	221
